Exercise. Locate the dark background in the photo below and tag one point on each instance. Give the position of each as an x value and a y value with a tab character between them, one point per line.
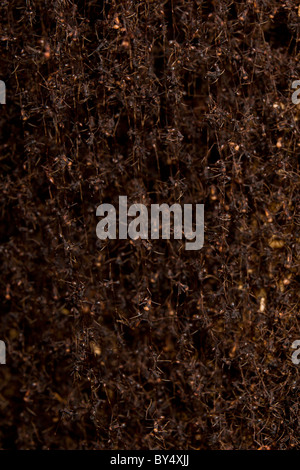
142	345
